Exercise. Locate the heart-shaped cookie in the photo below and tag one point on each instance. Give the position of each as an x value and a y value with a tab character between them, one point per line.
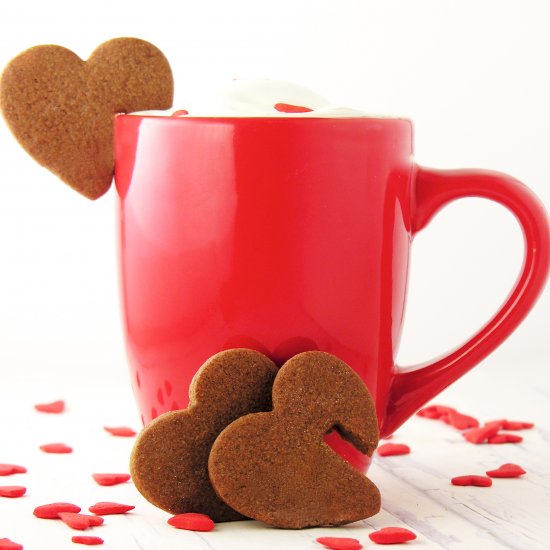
60	108
276	467
169	462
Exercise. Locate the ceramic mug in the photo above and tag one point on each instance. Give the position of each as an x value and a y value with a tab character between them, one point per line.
287	235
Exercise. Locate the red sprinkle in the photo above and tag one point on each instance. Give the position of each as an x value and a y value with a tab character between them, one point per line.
121	431
514	425
435	411
443	409
9	469
52	511
480	435
108	508
339	543
7	544
12	491
181	112
80	521
54	408
392	535
504	438
476	481
110	479
90	541
462	421
507	470
94	521
56	448
288	108
192	522
428	412
391	449
74	521
495	424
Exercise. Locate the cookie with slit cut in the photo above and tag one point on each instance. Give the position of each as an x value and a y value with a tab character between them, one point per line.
276	467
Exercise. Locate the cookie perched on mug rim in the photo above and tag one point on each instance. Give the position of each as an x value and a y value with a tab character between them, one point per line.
61	108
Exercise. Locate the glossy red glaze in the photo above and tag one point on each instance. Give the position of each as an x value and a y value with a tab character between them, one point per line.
286	235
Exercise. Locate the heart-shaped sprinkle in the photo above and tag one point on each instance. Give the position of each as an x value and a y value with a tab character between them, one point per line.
516	425
434	412
120	431
108	508
192	522
52	511
473	480
481	435
110	479
507	470
504	438
392	535
56	448
288	108
462	421
55	407
428	412
7	544
339	543
80	521
12	491
90	541
10	469
393	449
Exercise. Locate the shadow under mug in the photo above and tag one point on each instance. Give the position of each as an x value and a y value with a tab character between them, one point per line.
287	235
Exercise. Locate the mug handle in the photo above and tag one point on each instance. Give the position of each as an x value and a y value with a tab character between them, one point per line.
413	386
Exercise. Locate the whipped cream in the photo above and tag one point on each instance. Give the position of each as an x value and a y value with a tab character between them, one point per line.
258	98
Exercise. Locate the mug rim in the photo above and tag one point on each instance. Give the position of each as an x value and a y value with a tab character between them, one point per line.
377	118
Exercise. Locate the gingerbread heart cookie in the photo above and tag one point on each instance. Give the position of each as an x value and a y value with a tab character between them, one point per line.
169	462
60	108
275	466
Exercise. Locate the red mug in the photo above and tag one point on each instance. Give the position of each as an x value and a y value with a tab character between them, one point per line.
287	235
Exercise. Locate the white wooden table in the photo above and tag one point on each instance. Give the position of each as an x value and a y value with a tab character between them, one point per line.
416	489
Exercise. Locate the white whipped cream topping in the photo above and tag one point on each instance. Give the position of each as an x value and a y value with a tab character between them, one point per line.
257	98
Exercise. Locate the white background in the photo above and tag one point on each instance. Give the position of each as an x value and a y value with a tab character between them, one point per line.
473	75
475	78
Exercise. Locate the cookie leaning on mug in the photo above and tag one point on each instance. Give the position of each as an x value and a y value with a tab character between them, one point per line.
275	466
169	462
61	108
